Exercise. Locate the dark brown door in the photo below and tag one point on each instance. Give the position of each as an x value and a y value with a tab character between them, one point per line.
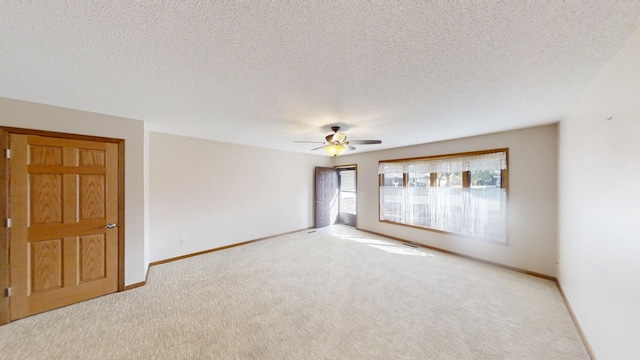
326	196
64	210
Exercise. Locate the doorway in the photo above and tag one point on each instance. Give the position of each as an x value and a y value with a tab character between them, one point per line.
347	183
65	207
336	196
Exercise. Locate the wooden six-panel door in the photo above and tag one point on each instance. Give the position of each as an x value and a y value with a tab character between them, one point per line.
63	201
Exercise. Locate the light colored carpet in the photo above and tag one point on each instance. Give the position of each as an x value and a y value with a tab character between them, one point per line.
332	294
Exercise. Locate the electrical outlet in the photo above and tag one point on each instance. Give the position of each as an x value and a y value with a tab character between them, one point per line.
183	241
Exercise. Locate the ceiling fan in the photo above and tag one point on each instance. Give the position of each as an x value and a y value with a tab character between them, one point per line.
337	143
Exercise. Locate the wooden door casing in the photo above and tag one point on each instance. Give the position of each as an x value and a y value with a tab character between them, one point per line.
63	192
326	196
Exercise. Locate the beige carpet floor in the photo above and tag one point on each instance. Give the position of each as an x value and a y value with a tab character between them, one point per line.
332	294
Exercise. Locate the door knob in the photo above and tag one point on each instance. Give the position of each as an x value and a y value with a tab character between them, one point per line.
110	226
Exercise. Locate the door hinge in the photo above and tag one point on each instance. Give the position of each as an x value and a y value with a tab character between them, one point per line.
8	152
8	223
8	292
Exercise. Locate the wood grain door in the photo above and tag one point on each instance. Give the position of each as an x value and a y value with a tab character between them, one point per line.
326	196
63	193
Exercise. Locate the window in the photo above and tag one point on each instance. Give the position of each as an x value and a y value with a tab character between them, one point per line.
460	193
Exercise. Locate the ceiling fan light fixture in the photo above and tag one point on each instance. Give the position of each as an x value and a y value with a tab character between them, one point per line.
339	137
335	149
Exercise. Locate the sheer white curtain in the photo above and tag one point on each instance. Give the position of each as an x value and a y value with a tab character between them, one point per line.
484	213
477	210
393	200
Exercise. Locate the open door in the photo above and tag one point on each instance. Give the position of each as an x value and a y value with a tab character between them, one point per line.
326	200
64	211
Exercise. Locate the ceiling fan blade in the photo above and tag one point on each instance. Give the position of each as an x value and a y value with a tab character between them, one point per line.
308	142
319	147
351	147
365	142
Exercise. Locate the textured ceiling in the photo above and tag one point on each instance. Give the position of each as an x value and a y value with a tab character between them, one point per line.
266	73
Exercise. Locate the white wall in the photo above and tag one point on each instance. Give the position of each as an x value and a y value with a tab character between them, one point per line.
599	207
532	198
216	194
28	115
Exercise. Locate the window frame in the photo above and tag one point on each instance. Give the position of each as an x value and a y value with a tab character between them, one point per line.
466	180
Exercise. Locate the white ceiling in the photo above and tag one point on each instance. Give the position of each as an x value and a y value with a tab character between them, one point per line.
266	73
